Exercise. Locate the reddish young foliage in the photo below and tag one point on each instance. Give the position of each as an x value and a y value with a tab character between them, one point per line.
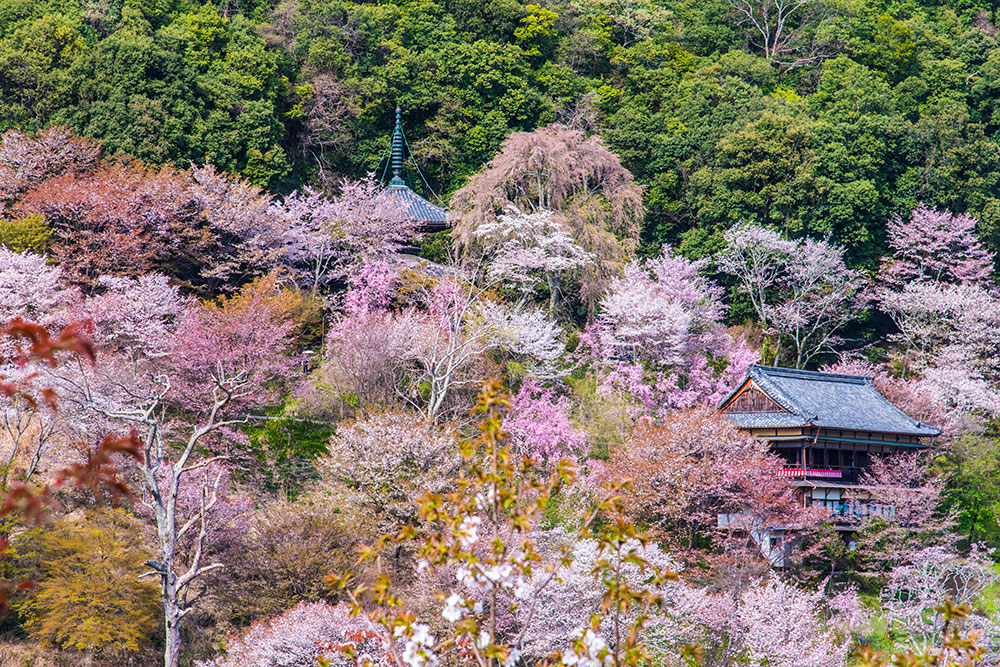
98	472
695	465
112	220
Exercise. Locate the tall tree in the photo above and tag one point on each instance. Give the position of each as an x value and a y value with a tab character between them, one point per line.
801	291
575	177
183	389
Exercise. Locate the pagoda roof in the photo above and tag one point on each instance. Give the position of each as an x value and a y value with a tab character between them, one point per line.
825	400
429	216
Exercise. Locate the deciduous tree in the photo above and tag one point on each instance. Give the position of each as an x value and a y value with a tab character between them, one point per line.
575	177
802	291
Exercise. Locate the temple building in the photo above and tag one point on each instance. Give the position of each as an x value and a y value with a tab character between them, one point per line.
827	427
431	218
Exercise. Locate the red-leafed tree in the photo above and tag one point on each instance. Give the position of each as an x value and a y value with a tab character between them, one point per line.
112	220
206	228
693	466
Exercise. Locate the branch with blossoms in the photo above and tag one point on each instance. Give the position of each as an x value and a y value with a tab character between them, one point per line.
478	538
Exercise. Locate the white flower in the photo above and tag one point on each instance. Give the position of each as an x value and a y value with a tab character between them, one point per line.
521	588
453	607
422	564
466	576
468	531
484	639
477	608
422	635
512	658
589	656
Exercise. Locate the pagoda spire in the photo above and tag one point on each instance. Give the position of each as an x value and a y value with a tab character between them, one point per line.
397	150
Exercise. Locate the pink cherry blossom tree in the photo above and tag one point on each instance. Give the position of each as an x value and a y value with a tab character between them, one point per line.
539	425
213	362
308	634
326	238
937	246
26	160
660	333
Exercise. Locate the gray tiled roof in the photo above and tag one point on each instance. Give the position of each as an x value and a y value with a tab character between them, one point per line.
766	419
829	400
421	210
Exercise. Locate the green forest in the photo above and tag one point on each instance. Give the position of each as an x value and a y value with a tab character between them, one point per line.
856	111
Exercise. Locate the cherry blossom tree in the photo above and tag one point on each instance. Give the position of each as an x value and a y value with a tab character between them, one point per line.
391	458
802	291
949	332
823	296
913	595
539	425
523	247
936	289
756	256
29	286
898	510
694	466
215	361
462	323
937	246
577	178
326	238
309	633
26	161
244	238
565	602
902	483
662	323
778	624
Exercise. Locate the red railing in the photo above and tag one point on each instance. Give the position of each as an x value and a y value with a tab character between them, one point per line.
810	472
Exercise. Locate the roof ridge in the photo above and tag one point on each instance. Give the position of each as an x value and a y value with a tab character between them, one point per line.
811	375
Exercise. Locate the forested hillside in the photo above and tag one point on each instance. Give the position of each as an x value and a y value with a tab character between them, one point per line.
252	413
854	112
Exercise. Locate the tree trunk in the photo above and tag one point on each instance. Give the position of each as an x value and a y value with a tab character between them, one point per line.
553	280
171	621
